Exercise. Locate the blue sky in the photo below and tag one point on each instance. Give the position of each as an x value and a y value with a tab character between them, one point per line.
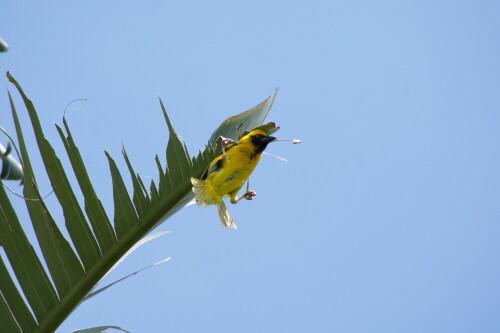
385	219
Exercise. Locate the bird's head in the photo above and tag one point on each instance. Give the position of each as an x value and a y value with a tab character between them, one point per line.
257	138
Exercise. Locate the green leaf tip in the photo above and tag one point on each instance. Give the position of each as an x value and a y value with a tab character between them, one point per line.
269	128
167	118
100	329
245	121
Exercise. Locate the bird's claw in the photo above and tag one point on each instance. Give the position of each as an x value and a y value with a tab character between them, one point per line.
249	195
224	142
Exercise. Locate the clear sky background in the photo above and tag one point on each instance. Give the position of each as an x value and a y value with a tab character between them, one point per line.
385	219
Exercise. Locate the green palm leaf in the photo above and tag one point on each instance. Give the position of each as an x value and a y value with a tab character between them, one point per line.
51	296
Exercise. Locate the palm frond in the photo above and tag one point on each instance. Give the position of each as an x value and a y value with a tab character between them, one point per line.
99	244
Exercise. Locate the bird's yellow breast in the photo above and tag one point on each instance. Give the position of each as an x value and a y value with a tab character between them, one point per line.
233	172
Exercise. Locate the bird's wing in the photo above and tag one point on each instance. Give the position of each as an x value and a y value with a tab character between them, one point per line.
215	166
217	163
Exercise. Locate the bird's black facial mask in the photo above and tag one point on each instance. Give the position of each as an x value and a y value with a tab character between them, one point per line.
261	141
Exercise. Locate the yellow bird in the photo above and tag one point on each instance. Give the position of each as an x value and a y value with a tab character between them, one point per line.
229	171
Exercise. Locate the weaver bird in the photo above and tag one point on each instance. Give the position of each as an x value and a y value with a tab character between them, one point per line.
229	171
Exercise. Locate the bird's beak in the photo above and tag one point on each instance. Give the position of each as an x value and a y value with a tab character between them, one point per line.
267	139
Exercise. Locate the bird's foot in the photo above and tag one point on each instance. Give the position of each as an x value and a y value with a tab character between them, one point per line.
224	143
249	195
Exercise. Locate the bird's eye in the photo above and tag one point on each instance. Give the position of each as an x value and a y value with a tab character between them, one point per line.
257	136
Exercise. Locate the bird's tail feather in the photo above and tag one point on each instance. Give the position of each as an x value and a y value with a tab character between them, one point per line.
198	190
224	216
